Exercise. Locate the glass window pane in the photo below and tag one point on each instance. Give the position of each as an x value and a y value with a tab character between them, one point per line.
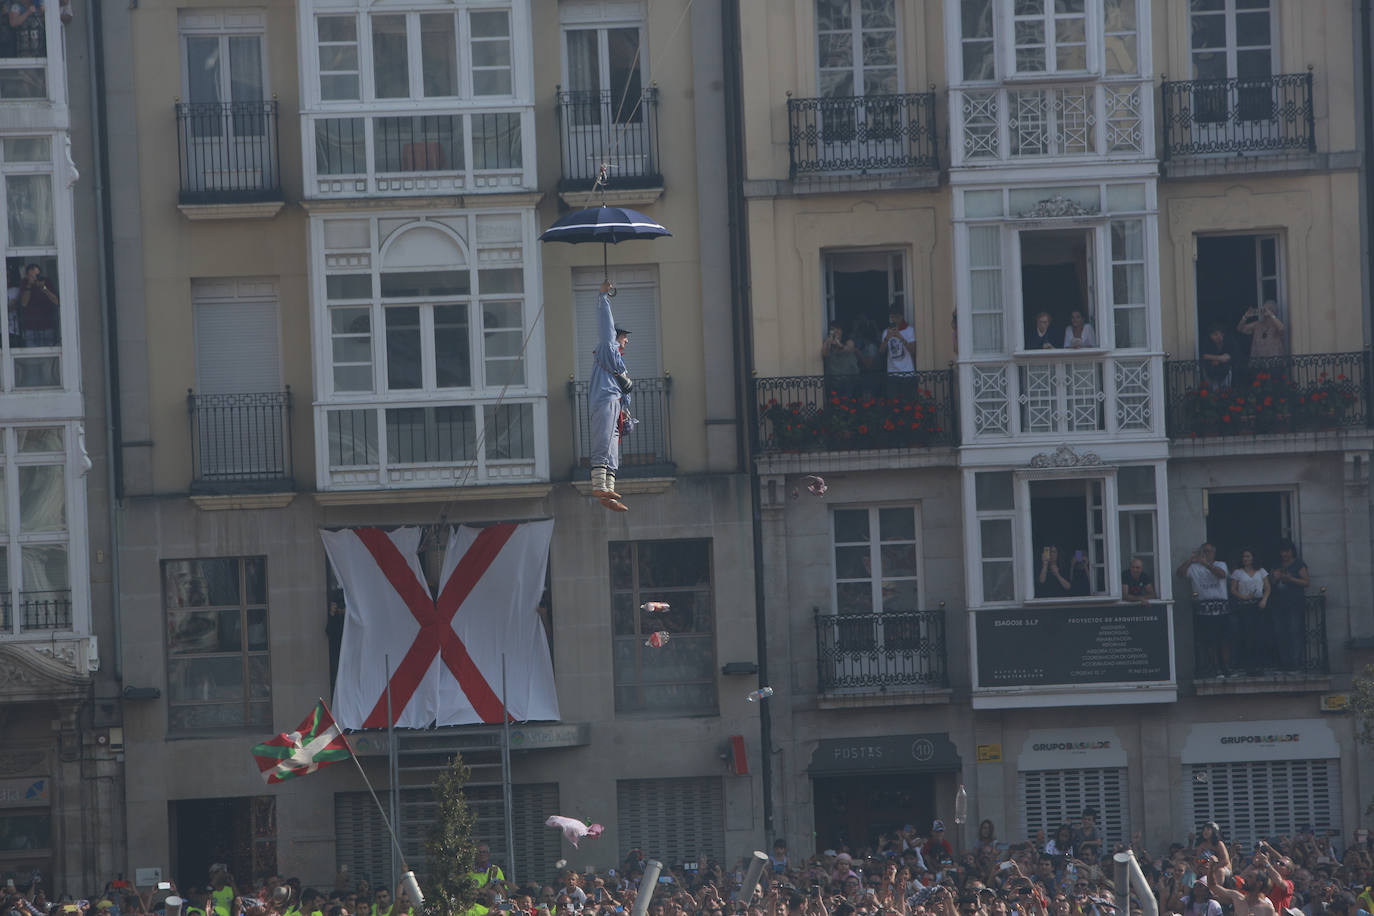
204	69
42	498
39	439
403	351
503	344
853	563
338	87
496	315
622	565
496	139
492	24
352	438
851	525
255	581
997	581
340	145
501	281
205	679
452	361
348	286
1131	333
44	568
426	283
352	378
27	149
337	28
1135	486
350	320
993	491
898	560
491	54
439	54
257	629
674	564
995	537
896	525
28	202
390	64
509	430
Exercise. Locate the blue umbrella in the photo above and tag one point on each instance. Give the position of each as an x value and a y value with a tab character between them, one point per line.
607	225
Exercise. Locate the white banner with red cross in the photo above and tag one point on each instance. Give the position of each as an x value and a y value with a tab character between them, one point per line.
445	653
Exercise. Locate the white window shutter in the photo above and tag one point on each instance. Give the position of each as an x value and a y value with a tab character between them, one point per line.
1053	797
1262	800
674	820
635	307
238	348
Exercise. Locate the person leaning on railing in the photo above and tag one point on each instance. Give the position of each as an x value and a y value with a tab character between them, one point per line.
1212	612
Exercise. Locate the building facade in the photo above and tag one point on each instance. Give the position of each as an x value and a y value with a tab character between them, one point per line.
60	775
1062	229
340	316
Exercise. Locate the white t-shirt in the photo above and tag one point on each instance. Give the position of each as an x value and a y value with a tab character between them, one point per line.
1250	586
898	356
1208	586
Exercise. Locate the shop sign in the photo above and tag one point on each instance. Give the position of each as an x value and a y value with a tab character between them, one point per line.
930	753
30	792
1059	646
1070	749
989	753
1271	739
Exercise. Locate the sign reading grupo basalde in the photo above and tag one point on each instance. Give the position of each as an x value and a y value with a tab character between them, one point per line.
1036	646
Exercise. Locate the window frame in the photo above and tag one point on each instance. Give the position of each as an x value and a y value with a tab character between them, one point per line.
59	199
245	654
639	594
13	539
1093	38
1231	49
858	66
54	78
875	545
222	32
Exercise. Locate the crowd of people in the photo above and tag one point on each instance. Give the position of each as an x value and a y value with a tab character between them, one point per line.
1068	873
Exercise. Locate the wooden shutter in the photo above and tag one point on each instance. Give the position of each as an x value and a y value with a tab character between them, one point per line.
636	309
673	820
237	340
1261	800
1053	797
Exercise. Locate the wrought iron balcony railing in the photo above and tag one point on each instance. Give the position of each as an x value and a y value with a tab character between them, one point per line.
600	127
1271	114
889	650
855	413
228	152
240	442
646	450
877	133
1266	641
42	610
1270	395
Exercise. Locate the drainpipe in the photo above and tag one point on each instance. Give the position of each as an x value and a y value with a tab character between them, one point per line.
1363	51
739	302
109	323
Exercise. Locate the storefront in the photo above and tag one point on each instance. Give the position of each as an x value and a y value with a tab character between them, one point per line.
1263	779
1064	771
867	786
25	828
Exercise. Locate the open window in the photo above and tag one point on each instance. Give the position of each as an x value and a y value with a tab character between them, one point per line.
1057	281
1252	520
1237	273
860	286
1066	521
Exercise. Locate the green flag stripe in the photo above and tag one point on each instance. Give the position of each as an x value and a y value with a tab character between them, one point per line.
272	750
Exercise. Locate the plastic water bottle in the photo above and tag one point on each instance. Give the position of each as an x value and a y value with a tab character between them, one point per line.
961	805
761	693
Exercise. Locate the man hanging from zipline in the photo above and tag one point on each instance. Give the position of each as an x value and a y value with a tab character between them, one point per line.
608	402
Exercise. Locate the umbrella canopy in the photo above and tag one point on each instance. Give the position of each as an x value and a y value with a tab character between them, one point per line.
608	225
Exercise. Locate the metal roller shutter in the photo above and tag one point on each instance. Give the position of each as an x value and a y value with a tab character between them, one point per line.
673	820
536	847
1264	799
1053	797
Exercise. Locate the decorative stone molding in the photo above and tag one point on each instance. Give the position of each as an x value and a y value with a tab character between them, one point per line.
81	446
22	762
1066	457
1057	207
46	672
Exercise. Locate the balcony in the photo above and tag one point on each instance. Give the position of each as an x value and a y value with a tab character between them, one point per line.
228	155
418	445
1085	394
646	451
1272	396
593	130
418	154
1237	124
862	135
1263	650
39	610
816	414
892	651
241	443
1009	123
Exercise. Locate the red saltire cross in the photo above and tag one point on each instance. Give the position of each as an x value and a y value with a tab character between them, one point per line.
436	636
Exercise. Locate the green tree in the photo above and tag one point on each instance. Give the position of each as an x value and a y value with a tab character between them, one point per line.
1362	708
450	849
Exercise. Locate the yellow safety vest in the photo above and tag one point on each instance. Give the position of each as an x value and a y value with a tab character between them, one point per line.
220	898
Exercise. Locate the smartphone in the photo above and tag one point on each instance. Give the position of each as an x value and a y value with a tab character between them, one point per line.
1078	556
1005	866
9	883
164	885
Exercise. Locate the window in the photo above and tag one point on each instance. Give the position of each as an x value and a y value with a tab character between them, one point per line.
994	502
1135	512
1236	274
223	62
24	50
338	49
33	281
678	678
682	820
985	287
1050	798
1057	280
1129	304
1232	40
604	68
1067	530
1119	29
876	560
26	835
1049	36
979	49
860	287
1250	520
35	572
636	309
218	668
856	48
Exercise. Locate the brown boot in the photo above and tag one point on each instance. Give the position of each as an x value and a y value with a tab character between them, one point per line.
603	484
614	505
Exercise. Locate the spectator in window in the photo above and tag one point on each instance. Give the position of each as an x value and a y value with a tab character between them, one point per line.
1250	611
1289	607
25	18
840	356
1080	583
1212	614
1136	586
1050	583
38	304
899	342
1216	359
1041	335
1079	335
1265	330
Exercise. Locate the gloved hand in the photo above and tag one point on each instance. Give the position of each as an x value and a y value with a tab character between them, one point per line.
623	380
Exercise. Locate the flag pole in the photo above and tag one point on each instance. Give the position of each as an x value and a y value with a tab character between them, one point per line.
367	782
505	775
399	857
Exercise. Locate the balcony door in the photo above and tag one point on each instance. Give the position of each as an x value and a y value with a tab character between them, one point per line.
858	76
226	130
603	104
239	419
877	596
1232	52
